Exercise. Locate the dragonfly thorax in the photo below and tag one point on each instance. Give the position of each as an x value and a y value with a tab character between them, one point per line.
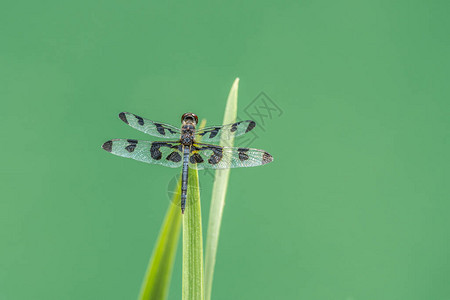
187	134
187	140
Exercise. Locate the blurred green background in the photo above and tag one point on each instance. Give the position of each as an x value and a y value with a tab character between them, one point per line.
355	205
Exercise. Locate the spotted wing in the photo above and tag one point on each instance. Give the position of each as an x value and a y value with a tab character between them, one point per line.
168	154
214	133
205	156
150	127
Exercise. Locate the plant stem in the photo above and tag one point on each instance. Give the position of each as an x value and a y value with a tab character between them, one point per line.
157	278
218	197
192	287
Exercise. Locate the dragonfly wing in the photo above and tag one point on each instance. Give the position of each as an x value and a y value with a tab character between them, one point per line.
150	127
168	154
215	133
205	156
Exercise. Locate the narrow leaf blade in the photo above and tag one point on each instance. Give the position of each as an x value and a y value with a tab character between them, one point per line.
218	197
192	242
192	278
157	278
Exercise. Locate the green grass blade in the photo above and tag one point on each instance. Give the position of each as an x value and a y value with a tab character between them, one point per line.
157	278
218	197
192	285
192	242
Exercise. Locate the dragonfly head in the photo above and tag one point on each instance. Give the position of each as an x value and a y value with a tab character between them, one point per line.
189	118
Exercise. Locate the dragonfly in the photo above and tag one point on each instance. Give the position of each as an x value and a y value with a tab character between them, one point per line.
184	150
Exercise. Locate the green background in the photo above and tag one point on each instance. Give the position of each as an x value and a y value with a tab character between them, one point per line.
355	205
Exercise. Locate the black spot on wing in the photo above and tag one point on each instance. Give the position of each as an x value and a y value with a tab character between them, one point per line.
214	159
107	146
156	154
217	154
234	127
196	159
171	130
154	151
130	148
174	156
243	156
123	117
140	120
212	133
267	158
160	129
251	125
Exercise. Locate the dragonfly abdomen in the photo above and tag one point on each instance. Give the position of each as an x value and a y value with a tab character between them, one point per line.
184	177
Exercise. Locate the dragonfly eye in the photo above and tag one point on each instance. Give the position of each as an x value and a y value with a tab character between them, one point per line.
191	116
